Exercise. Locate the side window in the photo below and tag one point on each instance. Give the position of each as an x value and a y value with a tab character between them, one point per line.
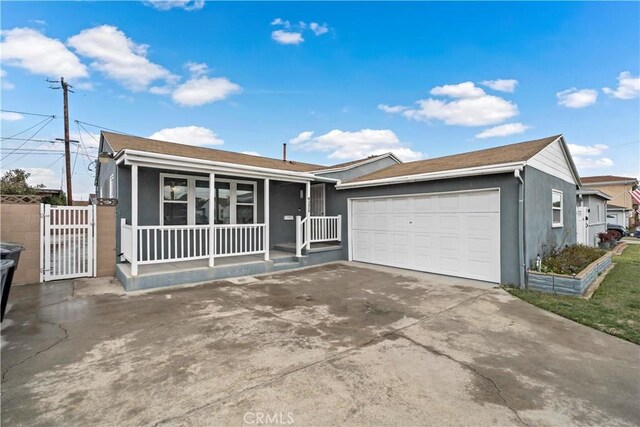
556	208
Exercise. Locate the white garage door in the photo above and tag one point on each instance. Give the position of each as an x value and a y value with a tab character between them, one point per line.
457	234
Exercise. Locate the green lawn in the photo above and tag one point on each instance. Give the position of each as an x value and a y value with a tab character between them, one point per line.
615	306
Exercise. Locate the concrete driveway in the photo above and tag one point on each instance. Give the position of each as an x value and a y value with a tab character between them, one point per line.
335	344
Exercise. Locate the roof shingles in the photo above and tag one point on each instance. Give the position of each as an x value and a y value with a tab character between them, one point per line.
519	152
119	142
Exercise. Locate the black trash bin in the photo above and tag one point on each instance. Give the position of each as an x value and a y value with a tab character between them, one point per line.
8	252
6	272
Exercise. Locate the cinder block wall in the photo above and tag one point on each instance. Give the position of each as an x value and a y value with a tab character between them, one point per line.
20	223
106	241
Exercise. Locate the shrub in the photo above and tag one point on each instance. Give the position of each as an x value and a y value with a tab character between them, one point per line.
614	235
570	260
604	237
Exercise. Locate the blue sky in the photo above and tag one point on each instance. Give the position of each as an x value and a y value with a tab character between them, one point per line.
336	80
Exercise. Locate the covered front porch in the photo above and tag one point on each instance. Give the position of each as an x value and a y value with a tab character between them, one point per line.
186	222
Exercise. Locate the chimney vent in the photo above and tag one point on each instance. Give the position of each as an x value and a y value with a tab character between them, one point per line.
284	152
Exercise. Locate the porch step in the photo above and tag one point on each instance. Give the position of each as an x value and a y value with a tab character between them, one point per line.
285	247
284	259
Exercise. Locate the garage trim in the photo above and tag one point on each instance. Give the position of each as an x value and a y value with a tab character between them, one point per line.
350	201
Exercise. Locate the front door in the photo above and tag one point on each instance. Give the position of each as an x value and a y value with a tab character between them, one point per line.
317	200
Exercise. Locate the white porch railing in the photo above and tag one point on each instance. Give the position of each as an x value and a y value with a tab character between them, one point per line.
169	243
314	229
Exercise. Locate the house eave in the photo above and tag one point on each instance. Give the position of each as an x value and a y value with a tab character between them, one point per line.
355	165
432	176
166	161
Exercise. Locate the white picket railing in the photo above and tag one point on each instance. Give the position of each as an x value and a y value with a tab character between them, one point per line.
315	229
157	244
325	228
169	243
239	239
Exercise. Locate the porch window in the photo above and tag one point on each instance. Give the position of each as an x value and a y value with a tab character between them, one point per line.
556	208
176	201
245	199
185	201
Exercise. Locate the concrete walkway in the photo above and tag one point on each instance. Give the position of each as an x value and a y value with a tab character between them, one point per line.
336	344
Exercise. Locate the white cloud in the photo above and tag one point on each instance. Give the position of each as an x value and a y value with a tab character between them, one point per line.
587	150
628	87
160	90
318	29
191	135
589	163
6	85
287	37
119	57
392	109
345	145
280	21
302	137
460	90
197	68
502	85
10	117
45	176
470	106
33	51
172	4
481	111
252	153
203	90
503	130
588	156
574	98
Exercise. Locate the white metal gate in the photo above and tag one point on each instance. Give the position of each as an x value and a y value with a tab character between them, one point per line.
582	225
68	242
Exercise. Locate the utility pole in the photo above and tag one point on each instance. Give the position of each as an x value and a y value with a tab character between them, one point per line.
67	149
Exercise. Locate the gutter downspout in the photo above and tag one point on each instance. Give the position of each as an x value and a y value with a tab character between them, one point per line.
521	254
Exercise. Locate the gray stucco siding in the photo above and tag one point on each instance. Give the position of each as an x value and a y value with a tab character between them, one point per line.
360	170
540	235
337	201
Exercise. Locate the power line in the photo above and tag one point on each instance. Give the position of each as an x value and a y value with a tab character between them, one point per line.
29	139
29	128
102	127
27	114
32	136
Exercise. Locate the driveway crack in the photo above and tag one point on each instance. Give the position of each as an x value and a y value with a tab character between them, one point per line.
469	367
39	352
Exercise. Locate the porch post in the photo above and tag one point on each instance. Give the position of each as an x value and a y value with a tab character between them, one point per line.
266	219
212	208
134	220
309	233
308	200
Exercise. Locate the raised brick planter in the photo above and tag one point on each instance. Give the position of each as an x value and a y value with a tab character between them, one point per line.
569	285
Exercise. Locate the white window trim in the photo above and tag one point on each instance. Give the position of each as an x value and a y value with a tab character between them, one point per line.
561	209
191	197
111	187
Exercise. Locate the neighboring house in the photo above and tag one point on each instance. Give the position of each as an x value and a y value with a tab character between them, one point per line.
591	216
621	204
483	215
618	215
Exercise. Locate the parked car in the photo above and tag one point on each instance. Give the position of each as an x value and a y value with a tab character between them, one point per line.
619	228
637	233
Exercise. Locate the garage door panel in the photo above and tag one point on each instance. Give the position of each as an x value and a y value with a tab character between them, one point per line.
454	234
